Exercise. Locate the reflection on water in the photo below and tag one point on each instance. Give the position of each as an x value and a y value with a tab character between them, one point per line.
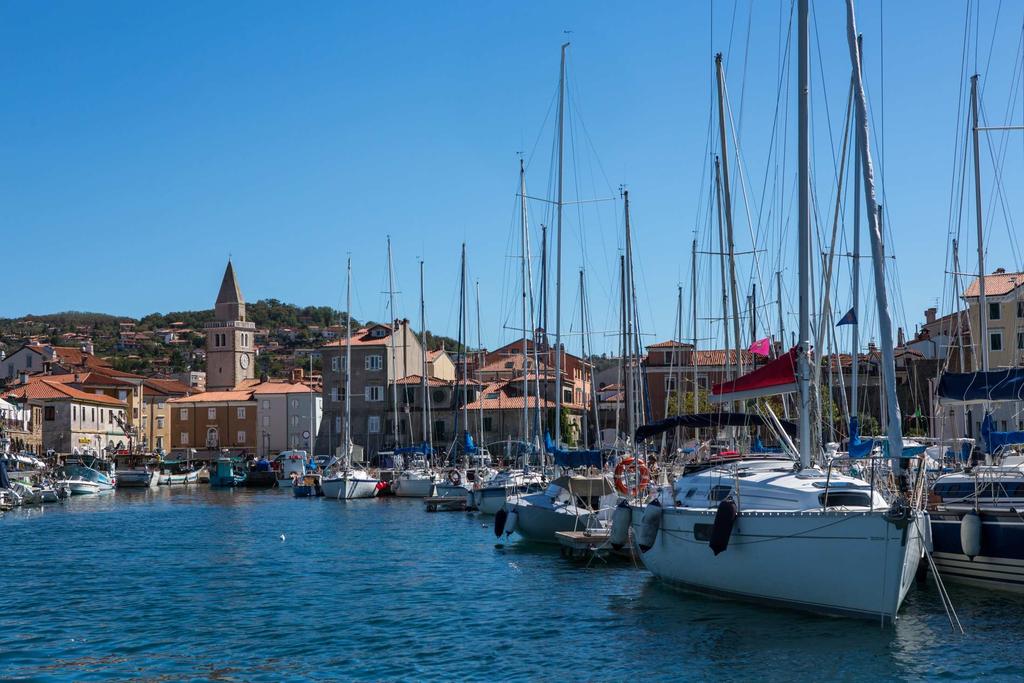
176	583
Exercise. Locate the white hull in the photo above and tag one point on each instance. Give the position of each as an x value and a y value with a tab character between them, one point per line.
179	479
81	487
447	490
349	488
413	488
835	562
539	523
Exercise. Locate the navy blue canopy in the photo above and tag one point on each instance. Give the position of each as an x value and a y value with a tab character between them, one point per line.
5	482
567	458
975	387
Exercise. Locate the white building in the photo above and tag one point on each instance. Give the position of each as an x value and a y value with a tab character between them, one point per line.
288	416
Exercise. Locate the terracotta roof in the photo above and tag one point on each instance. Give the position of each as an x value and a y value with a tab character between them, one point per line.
718	356
362	337
668	344
996	284
215	397
167	387
432	355
506	402
44	390
431	381
281	388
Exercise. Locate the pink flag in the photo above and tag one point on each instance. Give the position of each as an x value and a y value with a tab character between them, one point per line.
762	347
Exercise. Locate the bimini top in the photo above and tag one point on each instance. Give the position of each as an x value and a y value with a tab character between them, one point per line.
585	486
709	420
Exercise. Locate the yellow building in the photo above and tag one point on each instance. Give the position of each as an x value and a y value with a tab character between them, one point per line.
156	413
1004	294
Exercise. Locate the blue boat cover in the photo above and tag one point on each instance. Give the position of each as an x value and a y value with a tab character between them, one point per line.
759	447
423	448
467	443
995	440
974	387
858	448
567	458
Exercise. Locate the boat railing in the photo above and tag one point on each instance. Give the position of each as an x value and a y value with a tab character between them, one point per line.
882	478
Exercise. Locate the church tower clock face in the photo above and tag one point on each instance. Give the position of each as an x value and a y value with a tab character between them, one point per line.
243	361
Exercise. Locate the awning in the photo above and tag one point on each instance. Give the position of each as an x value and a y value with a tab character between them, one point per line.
709	421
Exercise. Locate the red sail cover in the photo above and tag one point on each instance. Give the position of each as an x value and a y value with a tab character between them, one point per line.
777	377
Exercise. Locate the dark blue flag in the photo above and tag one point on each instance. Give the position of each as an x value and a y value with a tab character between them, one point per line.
849	319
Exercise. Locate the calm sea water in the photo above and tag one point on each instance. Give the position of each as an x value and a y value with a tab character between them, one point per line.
198	584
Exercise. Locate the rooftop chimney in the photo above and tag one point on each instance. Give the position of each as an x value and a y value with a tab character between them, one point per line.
1000	271
929	315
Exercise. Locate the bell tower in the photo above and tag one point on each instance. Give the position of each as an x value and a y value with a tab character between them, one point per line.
229	339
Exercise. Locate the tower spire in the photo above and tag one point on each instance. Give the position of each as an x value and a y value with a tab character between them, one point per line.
230	305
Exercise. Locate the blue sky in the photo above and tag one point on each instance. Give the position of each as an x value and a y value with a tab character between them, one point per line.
142	143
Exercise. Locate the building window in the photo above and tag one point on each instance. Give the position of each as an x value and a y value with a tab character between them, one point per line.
670	383
566	395
183	438
295	420
241	412
993	311
373	424
374	393
487	424
375	362
160	405
211	413
122	395
493	395
160	422
995	340
295	403
241	437
74	413
1020	341
266	404
334	393
183	413
378	332
49	413
266	420
336	363
337	424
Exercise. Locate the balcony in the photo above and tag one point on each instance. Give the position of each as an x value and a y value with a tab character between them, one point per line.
238	324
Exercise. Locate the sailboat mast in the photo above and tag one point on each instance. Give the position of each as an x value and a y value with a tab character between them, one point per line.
583	356
727	210
558	253
693	353
524	275
628	310
348	364
424	384
894	429
782	332
982	301
464	333
855	330
721	263
804	232
394	354
479	360
589	365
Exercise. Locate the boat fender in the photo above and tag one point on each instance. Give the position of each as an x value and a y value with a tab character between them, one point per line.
500	517
380	486
513	521
970	535
620	525
650	522
725	518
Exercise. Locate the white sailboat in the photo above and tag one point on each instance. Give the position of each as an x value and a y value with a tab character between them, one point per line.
762	529
347	482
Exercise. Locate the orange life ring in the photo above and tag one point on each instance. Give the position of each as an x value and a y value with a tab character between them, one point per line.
631	466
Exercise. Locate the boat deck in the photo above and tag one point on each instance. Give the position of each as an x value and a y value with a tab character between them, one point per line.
583	545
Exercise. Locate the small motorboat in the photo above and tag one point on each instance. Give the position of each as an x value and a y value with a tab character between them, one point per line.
227	472
307	487
260	476
82	480
134	472
178	473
